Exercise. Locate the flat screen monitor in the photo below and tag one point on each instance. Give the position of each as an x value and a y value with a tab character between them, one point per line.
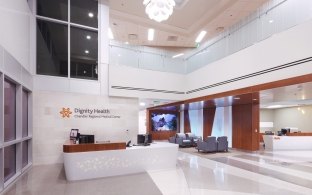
164	121
144	138
86	139
73	134
285	131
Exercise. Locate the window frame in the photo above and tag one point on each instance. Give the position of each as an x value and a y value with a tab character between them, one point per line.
70	24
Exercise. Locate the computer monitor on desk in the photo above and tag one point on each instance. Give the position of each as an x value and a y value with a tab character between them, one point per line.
284	131
86	139
144	138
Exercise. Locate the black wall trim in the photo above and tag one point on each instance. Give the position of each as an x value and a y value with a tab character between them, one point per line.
298	62
144	89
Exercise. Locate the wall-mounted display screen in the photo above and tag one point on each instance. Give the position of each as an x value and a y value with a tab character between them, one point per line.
164	122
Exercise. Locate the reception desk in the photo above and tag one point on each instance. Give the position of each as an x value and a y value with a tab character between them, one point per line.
136	159
273	142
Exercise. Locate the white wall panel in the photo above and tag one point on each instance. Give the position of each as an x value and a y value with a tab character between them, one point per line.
12	67
27	79
51	83
288	46
15	29
84	86
132	77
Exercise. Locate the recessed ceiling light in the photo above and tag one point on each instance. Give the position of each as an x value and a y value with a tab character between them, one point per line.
119	55
142	103
110	34
90	14
200	36
126	42
271	21
178	55
86	51
150	34
88	37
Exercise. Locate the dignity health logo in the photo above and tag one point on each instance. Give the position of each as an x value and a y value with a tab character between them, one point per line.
65	112
87	113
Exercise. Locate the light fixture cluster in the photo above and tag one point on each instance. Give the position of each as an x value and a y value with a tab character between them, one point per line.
159	10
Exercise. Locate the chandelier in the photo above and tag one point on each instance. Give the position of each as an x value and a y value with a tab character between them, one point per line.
159	10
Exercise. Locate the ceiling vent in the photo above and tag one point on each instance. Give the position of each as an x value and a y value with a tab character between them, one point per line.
172	38
132	36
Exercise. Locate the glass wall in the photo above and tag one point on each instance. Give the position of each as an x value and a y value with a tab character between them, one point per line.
67	40
15	148
9	111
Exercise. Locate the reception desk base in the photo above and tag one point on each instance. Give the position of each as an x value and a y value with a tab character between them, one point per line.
273	142
136	159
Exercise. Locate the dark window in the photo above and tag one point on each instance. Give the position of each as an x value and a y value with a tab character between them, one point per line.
9	111
24	153
84	12
52	51
83	53
57	9
25	113
9	162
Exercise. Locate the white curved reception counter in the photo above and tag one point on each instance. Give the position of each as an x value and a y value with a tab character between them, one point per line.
96	164
273	142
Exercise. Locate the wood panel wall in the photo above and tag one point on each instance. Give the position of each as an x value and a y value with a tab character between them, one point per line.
187	123
208	118
245	127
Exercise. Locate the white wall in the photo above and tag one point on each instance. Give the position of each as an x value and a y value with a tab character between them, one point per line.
139	78
288	46
298	117
15	18
266	120
142	122
295	117
50	130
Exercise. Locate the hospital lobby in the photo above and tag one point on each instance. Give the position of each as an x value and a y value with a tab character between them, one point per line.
172	97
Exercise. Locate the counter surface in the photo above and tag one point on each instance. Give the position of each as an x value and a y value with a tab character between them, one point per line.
273	142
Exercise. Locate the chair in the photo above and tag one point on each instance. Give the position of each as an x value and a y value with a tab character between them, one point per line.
182	141
209	145
222	144
193	138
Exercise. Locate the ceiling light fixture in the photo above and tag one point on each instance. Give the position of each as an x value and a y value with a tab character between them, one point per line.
159	10
86	51
90	14
110	34
142	104
200	36
178	55
271	21
150	34
88	37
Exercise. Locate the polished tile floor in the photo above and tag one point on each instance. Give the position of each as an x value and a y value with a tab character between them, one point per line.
235	172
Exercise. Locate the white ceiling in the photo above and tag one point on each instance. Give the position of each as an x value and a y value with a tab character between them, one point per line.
188	19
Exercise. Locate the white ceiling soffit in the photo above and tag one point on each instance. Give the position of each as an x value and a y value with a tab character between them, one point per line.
188	19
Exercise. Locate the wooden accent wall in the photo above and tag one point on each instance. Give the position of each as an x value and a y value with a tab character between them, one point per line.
208	118
70	147
161	135
245	127
187	123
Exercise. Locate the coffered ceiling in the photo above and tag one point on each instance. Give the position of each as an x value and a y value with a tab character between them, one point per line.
129	22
